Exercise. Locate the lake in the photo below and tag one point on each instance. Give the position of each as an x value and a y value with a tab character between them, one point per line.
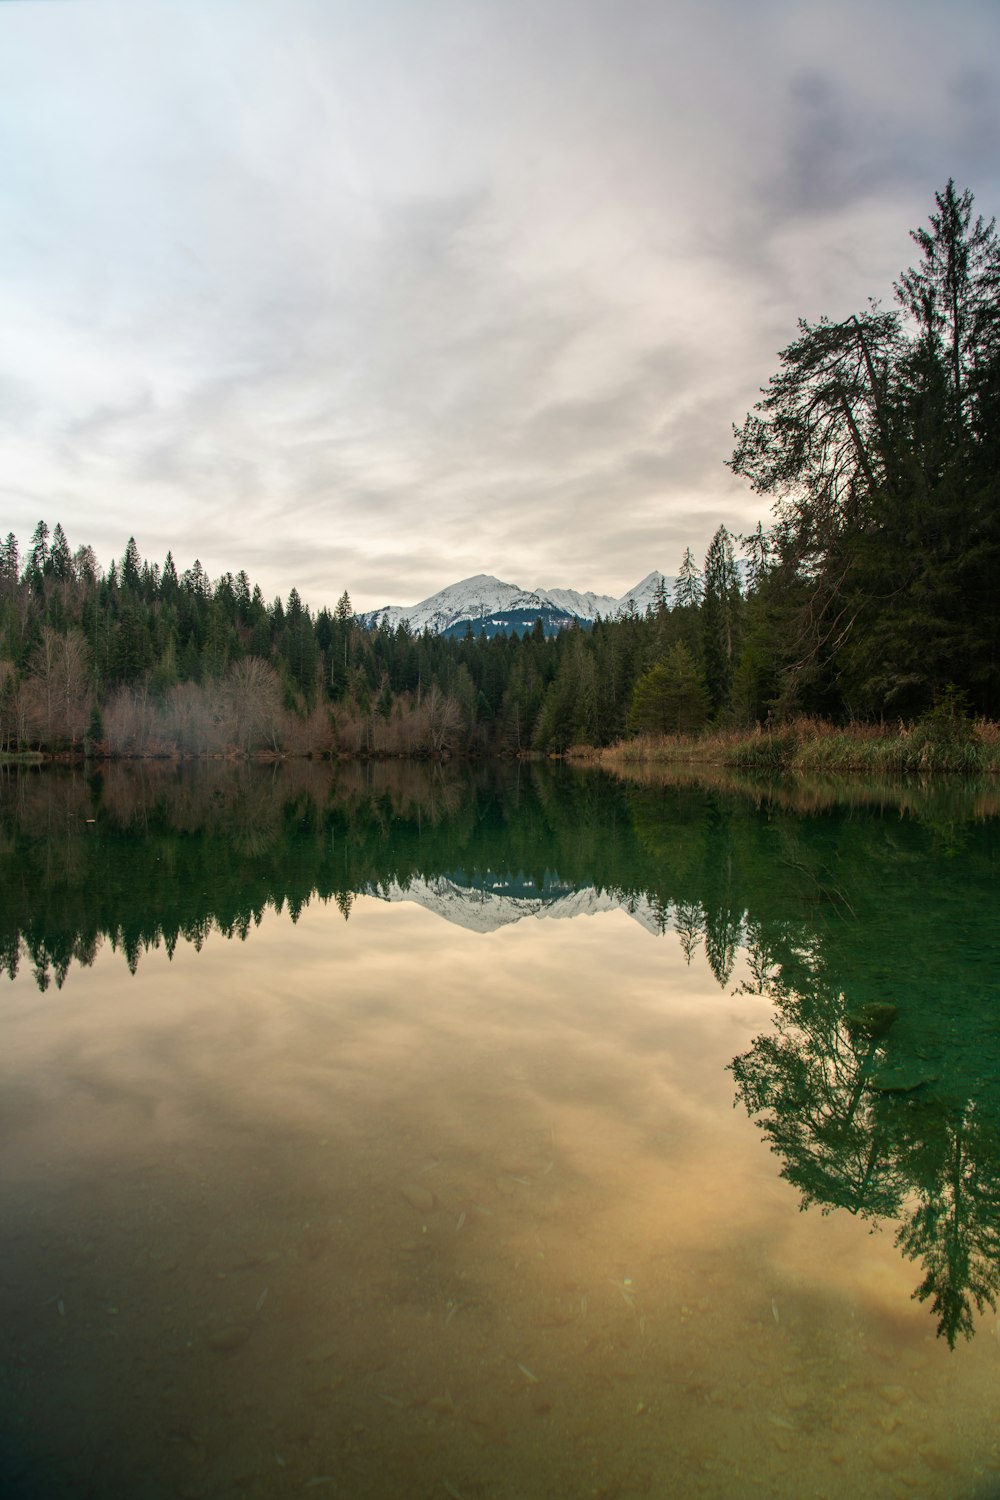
399	1131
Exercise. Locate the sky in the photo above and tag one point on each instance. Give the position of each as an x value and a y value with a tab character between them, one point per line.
377	294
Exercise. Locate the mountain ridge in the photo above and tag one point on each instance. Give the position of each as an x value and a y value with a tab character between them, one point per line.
485	598
485	903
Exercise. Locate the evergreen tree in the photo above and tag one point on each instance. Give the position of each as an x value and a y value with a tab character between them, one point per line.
131	568
244	600
671	697
757	549
60	559
38	556
878	440
953	293
720	617
196	582
131	650
10	566
687	589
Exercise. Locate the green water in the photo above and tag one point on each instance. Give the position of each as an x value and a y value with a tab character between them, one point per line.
398	1132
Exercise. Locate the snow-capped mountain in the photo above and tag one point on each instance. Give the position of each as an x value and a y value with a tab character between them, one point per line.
486	902
504	605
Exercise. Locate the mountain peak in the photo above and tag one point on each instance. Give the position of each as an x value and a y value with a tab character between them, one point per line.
497	605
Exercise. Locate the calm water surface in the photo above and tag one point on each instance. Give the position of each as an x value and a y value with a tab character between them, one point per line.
374	1132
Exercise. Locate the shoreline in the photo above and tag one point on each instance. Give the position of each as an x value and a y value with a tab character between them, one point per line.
934	745
813	747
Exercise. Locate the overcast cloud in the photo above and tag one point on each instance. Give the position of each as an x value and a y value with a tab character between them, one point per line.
380	293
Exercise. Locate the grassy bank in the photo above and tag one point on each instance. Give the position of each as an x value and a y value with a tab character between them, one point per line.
812	747
947	800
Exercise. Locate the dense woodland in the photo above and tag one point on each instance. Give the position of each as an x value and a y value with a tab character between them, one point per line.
873	594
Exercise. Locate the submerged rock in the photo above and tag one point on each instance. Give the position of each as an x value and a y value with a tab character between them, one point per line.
900	1081
872	1020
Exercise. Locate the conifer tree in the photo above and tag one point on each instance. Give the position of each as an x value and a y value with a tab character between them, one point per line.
757	549
952	293
10	567
879	441
196	581
687	589
60	560
131	568
671	697
39	554
720	617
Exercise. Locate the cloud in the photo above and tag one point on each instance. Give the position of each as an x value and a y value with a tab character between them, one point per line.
375	297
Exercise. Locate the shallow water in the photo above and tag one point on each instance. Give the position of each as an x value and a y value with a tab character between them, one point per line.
451	1197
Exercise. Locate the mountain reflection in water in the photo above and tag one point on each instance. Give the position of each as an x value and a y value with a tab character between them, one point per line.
873	931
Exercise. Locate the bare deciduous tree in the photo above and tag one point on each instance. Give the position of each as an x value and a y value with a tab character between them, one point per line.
254	700
58	688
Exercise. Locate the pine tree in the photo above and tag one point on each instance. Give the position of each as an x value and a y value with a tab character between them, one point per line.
757	549
879	439
952	294
10	566
244	600
131	568
60	559
688	588
671	697
720	617
196	581
38	556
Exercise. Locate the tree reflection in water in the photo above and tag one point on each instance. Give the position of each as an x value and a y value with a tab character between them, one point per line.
860	1125
865	914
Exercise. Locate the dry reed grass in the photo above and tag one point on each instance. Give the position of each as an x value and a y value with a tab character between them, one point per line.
812	746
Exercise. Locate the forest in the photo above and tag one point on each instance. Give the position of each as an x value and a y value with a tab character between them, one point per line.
871	596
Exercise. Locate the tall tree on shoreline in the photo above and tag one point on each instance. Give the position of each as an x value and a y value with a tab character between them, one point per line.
877	441
720	618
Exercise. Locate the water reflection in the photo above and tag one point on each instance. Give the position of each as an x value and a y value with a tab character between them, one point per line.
863	1126
407	1203
143	856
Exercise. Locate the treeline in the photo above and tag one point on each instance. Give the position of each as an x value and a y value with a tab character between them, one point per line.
144	660
872	596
